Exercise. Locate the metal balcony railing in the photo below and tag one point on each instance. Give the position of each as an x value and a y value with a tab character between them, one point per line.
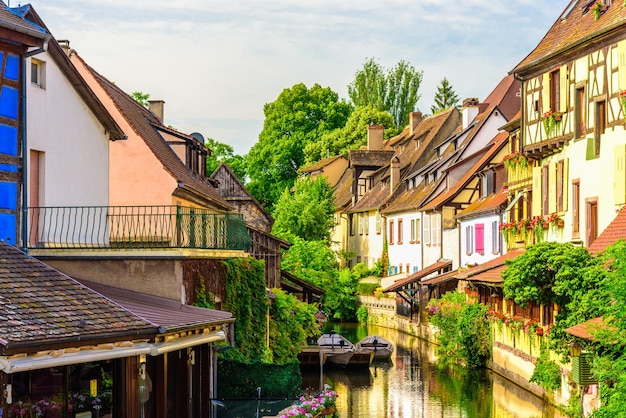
136	227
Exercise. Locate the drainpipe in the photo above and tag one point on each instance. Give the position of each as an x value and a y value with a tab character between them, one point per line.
26	55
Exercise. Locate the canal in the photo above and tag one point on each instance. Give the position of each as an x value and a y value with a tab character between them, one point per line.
411	385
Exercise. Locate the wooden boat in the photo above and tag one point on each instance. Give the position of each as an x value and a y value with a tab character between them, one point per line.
337	348
378	346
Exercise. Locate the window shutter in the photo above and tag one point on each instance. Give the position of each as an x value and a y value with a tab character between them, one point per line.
536	202
565	183
426	228
480	238
621	51
545	93
552	195
619	176
564	89
468	240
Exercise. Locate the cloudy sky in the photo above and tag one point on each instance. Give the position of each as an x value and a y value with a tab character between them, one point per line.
217	62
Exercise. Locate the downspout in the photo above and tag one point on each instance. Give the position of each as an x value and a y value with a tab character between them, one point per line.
25	152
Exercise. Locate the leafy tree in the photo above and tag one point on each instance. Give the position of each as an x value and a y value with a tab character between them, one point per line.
394	90
341	300
352	136
224	153
140	97
312	261
298	116
306	213
445	98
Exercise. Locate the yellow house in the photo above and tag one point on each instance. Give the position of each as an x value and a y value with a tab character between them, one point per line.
572	133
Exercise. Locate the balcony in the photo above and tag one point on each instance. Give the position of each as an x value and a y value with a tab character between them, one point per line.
135	227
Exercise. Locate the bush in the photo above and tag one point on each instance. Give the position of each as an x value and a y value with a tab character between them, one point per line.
366	289
362	315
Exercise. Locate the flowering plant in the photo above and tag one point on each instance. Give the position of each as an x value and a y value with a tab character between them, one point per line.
515	159
622	100
550	120
554	219
309	407
24	409
597	8
83	402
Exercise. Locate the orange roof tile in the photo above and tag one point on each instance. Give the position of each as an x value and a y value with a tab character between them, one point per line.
433	268
613	233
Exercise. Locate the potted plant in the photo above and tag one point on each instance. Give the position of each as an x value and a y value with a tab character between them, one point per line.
514	160
598	8
555	220
622	101
550	120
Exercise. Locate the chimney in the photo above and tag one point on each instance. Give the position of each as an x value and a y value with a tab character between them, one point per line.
65	45
394	174
375	137
470	111
157	107
414	119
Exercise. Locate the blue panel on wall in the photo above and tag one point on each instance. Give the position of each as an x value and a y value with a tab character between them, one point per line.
8	140
8	167
8	226
12	69
8	195
8	102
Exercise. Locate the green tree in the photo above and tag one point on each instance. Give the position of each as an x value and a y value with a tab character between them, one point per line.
312	261
306	213
341	300
445	98
140	97
394	90
298	116
224	153
352	136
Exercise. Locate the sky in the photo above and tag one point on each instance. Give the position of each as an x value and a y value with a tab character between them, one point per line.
216	63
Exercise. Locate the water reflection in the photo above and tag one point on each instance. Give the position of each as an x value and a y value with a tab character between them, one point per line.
411	385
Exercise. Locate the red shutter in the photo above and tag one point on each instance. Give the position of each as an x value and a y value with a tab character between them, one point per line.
479	234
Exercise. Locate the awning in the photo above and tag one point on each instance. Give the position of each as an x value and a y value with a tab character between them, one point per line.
490	271
439	266
442	278
585	329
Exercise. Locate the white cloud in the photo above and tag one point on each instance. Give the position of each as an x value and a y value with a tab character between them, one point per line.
216	63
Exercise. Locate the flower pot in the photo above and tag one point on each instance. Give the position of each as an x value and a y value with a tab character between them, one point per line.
557	117
328	411
560	223
539	331
545	225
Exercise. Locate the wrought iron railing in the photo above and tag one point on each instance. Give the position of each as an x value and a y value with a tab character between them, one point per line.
100	227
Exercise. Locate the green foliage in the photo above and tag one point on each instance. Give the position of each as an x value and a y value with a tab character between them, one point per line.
246	299
292	322
312	261
241	380
352	136
224	153
547	373
463	331
445	98
367	289
306	213
362	315
298	117
341	301
140	97
394	90
204	299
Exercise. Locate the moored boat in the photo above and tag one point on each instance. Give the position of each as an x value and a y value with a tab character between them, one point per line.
377	345
337	349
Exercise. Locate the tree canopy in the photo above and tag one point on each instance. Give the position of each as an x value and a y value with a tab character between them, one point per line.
298	117
394	90
445	98
140	97
352	136
224	153
306	213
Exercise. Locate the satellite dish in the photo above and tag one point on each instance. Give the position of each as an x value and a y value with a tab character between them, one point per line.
198	136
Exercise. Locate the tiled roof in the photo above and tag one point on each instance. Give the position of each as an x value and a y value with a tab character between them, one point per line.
586	329
41	307
343	189
613	233
440	265
370	158
490	271
573	29
14	19
320	164
488	204
498	142
505	97
373	199
143	123
409	199
166	314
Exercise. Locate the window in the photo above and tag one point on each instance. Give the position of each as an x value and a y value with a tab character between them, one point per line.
469	240
560	186
435	229
487	183
38	73
555	91
426	230
415	230
479	238
378	223
592	221
400	231
579	113
352	222
495	237
576	208
391	225
366	223
600	125
359	223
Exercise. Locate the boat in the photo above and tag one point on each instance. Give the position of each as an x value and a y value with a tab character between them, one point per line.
337	349
377	345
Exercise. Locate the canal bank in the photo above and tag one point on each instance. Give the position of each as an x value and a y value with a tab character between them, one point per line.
514	352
